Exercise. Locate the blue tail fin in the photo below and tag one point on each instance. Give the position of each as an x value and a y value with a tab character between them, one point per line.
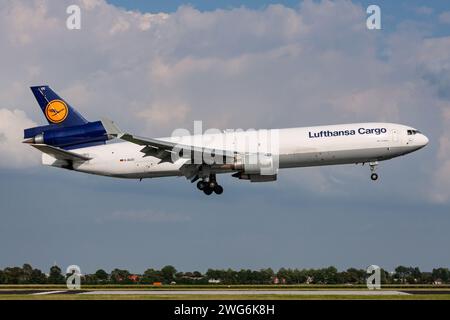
56	110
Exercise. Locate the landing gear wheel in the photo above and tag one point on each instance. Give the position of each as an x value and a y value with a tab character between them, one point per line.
208	191
209	185
201	185
374	176
218	189
212	185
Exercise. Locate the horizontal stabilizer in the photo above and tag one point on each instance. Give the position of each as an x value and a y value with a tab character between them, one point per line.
60	154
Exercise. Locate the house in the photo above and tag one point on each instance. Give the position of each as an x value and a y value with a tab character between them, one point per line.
134	277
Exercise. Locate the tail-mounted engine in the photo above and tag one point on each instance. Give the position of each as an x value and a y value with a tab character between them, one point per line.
90	133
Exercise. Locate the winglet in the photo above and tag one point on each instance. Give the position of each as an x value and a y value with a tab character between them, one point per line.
111	128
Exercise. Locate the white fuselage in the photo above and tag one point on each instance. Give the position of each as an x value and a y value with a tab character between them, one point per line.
297	147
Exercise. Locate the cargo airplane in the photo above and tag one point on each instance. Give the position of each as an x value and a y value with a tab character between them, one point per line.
71	142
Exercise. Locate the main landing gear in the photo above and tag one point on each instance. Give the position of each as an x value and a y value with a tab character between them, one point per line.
210	186
373	166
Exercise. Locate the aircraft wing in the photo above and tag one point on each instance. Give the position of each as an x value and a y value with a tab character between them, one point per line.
164	150
152	147
158	148
59	153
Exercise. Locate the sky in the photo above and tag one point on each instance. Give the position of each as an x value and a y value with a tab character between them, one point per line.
157	66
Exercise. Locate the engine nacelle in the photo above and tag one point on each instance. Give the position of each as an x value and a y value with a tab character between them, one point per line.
67	136
256	164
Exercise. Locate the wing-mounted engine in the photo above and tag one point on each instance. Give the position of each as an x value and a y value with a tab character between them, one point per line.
256	163
257	167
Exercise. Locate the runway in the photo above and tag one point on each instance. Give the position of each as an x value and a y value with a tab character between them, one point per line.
247	292
229	292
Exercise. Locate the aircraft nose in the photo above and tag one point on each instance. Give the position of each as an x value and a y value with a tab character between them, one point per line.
423	140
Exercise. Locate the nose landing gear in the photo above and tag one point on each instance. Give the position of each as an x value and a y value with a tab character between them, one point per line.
210	186
373	166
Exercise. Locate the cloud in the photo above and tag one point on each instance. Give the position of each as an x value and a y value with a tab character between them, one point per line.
237	68
424	10
23	20
91	4
444	17
163	114
121	25
14	152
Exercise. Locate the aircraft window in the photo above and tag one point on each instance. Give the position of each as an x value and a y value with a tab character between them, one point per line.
410	132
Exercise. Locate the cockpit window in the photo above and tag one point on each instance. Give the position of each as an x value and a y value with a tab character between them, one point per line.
413	132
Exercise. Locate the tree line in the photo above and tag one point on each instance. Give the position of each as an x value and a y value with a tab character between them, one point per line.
169	275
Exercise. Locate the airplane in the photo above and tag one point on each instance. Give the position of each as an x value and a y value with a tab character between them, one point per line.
71	142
